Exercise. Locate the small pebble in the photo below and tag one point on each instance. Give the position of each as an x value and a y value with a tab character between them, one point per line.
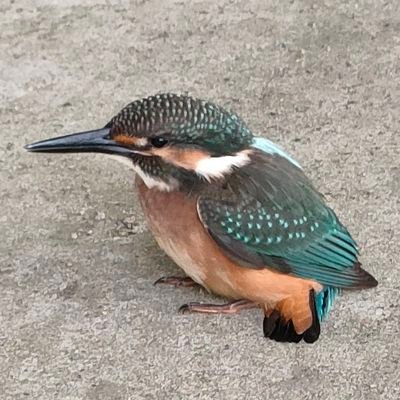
100	216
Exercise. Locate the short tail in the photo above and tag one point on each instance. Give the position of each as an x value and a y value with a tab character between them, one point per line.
298	318
324	300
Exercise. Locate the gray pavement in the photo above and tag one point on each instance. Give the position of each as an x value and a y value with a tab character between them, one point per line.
79	316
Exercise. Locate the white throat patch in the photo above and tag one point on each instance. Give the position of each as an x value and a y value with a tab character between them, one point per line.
149	181
217	167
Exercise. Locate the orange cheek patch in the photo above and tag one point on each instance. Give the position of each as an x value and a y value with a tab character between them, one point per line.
130	140
184	158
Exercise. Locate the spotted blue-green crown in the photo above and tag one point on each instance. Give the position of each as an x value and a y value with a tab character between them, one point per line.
184	120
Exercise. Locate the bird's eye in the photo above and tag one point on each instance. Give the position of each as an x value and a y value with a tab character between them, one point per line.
159	141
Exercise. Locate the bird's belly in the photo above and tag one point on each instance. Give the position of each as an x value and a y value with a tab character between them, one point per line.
174	222
181	256
173	219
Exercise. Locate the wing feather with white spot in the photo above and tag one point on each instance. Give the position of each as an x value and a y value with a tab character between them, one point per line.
268	214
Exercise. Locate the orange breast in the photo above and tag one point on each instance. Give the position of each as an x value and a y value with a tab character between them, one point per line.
173	219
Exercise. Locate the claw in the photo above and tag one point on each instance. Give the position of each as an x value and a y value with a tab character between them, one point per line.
176	281
184	309
228	308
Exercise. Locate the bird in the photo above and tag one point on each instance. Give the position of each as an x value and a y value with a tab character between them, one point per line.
234	210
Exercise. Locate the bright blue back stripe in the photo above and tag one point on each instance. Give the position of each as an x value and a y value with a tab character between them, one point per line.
267	146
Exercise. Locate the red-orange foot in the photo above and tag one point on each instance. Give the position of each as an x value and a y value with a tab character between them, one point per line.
228	308
176	281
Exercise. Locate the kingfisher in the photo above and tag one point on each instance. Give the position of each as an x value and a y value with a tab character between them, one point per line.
233	210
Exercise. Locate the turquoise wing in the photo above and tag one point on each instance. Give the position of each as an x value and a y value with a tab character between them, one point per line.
268	214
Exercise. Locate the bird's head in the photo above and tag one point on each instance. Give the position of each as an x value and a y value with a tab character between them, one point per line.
169	140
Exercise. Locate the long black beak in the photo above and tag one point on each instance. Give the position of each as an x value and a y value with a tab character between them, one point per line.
97	141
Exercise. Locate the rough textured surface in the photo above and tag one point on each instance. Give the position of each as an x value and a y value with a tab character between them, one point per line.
79	317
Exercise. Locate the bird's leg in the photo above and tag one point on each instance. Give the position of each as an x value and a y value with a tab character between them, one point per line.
176	281
232	307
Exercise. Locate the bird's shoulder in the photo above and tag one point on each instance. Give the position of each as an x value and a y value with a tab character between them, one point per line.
268	213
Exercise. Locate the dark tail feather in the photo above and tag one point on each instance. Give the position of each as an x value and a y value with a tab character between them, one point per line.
276	328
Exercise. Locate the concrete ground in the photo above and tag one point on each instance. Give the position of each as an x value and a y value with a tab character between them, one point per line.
79	316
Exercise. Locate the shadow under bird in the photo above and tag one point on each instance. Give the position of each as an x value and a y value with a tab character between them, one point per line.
233	210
